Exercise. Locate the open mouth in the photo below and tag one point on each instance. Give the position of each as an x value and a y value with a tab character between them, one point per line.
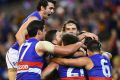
49	14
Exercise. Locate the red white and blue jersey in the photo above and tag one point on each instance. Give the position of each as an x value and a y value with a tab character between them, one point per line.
102	68
30	63
35	14
71	73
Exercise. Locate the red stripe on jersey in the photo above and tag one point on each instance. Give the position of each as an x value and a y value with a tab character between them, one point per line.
25	65
99	78
74	78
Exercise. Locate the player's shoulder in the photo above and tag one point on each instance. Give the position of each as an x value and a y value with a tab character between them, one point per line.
32	18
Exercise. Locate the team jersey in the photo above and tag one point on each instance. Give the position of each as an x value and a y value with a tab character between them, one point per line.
102	68
35	14
71	73
12	54
30	63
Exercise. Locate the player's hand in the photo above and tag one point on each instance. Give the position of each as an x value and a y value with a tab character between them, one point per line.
88	34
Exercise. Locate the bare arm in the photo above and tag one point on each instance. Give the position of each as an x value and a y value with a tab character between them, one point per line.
83	61
60	50
22	32
88	34
48	70
12	73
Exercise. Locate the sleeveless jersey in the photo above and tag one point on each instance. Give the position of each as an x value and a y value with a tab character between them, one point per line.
36	14
71	73
30	63
102	68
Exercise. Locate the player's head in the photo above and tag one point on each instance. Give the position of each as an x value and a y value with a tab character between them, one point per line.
69	39
71	27
51	36
36	28
47	7
93	46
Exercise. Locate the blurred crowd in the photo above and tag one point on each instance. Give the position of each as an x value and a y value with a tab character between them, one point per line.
101	17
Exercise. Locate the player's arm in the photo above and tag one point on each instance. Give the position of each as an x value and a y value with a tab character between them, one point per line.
43	46
22	32
48	70
83	61
12	73
88	34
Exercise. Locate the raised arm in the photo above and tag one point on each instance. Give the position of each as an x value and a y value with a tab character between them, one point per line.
22	32
48	70
60	50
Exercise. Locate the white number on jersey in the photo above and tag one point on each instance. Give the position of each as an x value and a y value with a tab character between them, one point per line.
70	74
105	68
27	47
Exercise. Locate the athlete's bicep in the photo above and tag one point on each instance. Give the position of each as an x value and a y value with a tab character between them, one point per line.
72	62
20	35
45	46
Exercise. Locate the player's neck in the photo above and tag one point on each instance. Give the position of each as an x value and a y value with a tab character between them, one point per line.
96	52
38	38
41	14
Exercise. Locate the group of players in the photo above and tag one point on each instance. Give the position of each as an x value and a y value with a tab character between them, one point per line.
75	55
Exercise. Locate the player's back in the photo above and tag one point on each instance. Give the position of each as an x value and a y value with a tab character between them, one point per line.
30	63
71	73
102	68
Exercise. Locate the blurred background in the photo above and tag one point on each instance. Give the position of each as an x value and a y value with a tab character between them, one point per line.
101	17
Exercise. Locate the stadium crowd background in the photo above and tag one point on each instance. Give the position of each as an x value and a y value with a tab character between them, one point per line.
101	17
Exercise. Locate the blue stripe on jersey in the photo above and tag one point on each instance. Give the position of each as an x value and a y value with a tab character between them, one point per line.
102	66
28	76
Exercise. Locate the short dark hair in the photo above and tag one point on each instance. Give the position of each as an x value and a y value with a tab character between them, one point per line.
50	35
69	39
34	26
93	45
71	21
44	3
87	40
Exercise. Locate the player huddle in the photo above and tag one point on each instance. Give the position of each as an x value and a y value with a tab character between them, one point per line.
75	55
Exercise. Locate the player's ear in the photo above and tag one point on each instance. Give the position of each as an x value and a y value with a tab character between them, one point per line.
42	8
39	32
